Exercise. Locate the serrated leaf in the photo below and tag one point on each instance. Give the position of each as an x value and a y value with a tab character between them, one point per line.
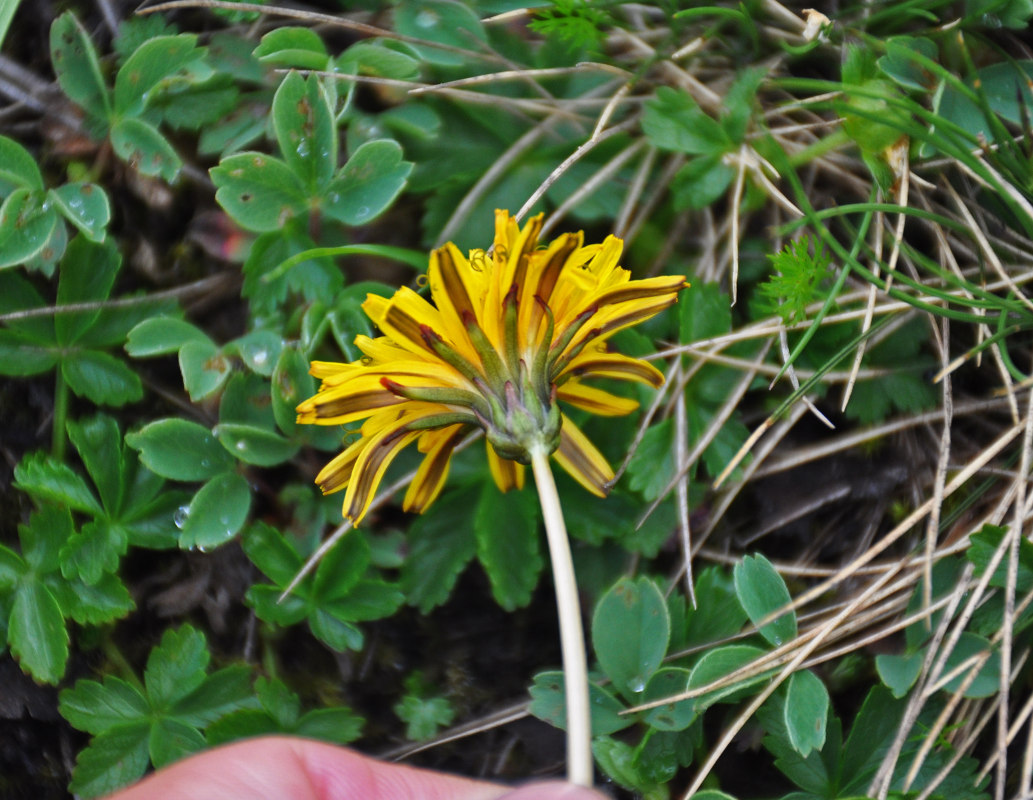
99	444
160	336
42	539
652	466
260	192
95	708
104	601
305	130
335	633
155	61
630	632
549	703
220	693
368	183
37	634
145	149
805	712
88	272
292	47
367	600
77	67
423	716
268	606
18	168
217	512
762	591
21	356
204	368
46	478
674	121
179	449
506	530
172	739
101	378
334	725
95	550
341	568
441	544
254	445
26	226
86	206
112	760
176	667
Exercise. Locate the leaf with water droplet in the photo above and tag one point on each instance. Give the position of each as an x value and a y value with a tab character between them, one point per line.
630	631
254	445
217	512
368	183
305	130
86	206
180	449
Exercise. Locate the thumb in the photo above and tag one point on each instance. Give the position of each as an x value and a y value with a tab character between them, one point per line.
553	790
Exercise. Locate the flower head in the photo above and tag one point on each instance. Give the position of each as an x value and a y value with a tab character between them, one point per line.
510	332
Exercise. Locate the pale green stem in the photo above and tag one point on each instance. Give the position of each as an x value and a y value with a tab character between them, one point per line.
572	639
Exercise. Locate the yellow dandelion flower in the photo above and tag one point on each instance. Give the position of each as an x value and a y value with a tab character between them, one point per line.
509	332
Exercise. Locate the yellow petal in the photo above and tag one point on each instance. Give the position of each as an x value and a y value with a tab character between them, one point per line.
376	456
433	471
335	475
353	400
582	461
507	474
591	363
595	400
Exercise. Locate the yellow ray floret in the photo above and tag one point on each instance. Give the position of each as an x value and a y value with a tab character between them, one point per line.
510	332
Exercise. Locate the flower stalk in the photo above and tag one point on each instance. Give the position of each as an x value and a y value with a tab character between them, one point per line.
572	638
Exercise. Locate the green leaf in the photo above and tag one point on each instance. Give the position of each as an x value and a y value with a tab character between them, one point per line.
37	634
718	662
113	759
674	121
549	703
21	356
18	169
179	449
88	272
701	182
96	549
101	378
899	66
42	539
441	544
271	552
217	512
268	606
12	568
806	711
334	725
652	466
341	568
46	478
305	130
254	445
676	715
160	336
367	600
291	383
368	183
176	667
423	716
141	145
983	545
77	67
220	693
260	350
444	21
172	739
260	192
292	47
762	591
105	601
506	530
26	225
86	206
95	708
152	64
99	444
988	678
374	58
335	633
630	633
204	368
899	673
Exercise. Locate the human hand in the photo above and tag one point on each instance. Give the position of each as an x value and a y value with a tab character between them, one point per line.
282	768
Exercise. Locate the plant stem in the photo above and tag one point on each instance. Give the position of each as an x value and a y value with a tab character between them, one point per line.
572	639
